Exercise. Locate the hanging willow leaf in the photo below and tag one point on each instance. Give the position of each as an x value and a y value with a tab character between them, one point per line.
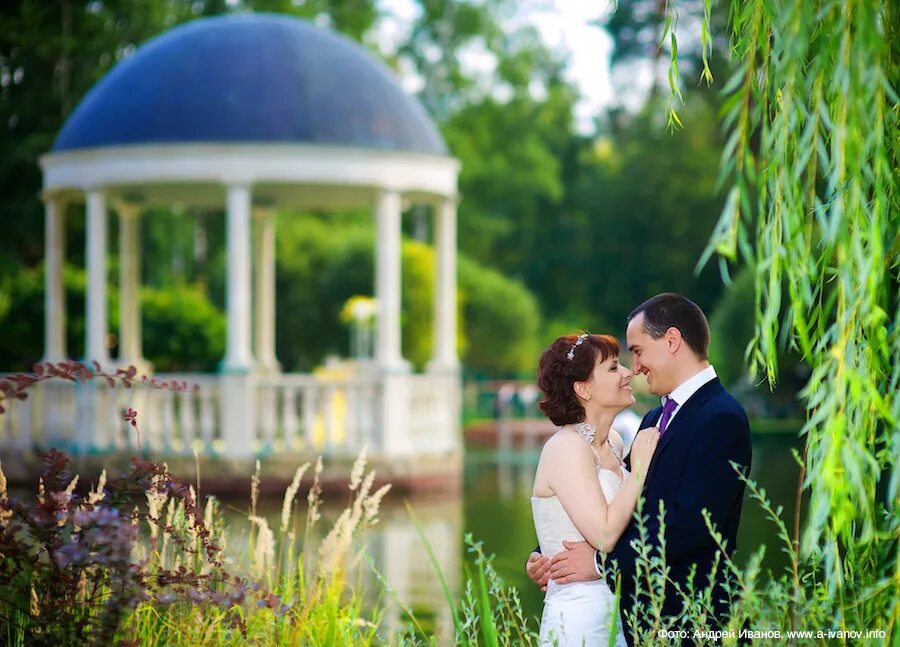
811	166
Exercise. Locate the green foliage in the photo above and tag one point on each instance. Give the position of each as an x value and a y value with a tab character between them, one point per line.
182	330
648	198
585	234
501	321
567	322
731	331
508	173
490	612
813	157
417	302
100	570
439	33
23	295
590	226
172	251
318	272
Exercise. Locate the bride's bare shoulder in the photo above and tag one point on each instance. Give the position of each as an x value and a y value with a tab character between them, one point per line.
564	440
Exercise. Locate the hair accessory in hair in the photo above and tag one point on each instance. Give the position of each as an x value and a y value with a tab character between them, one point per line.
578	342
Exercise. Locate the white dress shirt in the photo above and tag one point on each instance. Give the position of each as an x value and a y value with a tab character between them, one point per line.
684	391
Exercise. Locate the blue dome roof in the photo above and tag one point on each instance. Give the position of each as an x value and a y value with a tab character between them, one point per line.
251	78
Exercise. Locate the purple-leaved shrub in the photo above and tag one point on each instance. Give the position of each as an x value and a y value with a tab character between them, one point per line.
69	571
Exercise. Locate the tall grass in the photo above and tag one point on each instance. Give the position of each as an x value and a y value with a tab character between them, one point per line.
143	559
317	603
186	586
138	561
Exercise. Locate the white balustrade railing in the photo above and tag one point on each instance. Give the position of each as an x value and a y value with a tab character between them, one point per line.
90	417
310	414
327	415
183	421
16	424
434	412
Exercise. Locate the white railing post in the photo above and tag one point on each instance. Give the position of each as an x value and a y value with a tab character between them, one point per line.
268	413
167	419
310	403
330	431
289	417
207	420
22	417
187	420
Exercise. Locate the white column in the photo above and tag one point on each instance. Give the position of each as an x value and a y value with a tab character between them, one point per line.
54	289
237	384
445	311
96	327
387	280
130	351
238	356
265	291
394	421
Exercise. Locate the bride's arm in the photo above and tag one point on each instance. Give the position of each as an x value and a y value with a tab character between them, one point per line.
575	483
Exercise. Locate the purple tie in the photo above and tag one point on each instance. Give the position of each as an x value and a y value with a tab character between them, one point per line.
668	410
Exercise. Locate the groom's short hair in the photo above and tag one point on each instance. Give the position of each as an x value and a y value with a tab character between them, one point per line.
670	310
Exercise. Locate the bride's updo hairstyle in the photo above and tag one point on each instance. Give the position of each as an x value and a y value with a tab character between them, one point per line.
567	360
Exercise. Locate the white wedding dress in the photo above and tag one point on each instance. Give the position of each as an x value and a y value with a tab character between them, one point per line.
579	614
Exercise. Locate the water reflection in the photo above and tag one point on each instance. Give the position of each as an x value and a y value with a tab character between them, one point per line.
400	556
393	553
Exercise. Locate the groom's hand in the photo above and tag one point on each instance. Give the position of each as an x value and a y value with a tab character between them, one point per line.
575	564
537	568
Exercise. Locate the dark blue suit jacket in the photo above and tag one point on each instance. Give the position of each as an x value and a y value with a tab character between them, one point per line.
691	471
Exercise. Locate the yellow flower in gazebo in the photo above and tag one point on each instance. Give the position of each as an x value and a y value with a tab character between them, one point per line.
361	313
359	309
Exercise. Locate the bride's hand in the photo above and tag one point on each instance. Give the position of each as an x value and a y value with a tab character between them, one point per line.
642	450
537	567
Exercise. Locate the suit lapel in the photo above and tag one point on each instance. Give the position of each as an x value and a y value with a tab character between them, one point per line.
683	417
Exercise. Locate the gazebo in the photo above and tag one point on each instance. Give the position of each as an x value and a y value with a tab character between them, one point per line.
253	112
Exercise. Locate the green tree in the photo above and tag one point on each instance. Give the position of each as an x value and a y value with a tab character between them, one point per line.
318	271
647	200
512	128
50	56
501	320
510	177
641	32
22	341
182	330
440	32
731	330
813	159
591	225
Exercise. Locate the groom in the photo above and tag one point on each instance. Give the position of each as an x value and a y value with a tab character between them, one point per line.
702	430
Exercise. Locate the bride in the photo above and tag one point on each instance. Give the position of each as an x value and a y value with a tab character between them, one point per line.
582	491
